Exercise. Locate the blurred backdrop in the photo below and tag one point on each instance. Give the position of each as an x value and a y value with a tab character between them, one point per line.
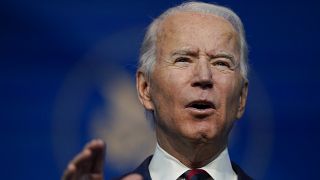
67	76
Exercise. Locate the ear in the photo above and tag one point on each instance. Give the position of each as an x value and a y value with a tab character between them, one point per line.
243	99
143	88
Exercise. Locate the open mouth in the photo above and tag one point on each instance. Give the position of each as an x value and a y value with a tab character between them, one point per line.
201	105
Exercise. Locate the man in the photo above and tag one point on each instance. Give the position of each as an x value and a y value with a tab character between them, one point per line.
192	81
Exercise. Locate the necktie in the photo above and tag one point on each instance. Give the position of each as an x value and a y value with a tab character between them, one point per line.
196	174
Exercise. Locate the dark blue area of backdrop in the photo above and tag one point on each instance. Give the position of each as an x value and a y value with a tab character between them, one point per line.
42	41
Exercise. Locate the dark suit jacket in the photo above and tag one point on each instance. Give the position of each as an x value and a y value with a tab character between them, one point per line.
143	170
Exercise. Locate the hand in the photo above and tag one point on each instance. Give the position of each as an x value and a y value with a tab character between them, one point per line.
88	164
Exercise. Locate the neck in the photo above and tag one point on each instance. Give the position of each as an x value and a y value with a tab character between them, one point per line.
193	153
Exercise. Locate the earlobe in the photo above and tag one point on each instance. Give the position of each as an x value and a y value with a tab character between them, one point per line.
242	100
143	89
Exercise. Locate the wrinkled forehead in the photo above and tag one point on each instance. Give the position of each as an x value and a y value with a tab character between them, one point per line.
183	21
203	30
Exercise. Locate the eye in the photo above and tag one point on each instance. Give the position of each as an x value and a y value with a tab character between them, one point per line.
221	63
182	59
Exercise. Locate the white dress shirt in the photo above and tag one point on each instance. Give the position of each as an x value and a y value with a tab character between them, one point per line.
163	166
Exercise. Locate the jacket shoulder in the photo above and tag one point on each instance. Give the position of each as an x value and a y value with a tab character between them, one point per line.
240	173
142	170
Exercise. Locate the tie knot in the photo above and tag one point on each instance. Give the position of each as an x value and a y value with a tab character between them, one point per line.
196	174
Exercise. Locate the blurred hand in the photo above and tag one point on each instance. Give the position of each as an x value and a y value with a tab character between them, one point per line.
88	164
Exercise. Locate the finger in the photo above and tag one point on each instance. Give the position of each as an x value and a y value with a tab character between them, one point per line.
69	173
88	161
98	155
82	160
91	159
78	166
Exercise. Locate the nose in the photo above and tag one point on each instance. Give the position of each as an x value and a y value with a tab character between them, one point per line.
202	75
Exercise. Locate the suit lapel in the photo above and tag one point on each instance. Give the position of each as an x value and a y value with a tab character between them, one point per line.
143	169
240	173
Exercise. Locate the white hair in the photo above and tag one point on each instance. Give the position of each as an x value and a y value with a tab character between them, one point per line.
148	49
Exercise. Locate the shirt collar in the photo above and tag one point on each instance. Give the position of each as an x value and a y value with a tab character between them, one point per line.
165	166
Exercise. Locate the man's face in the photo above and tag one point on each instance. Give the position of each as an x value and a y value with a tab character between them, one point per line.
196	90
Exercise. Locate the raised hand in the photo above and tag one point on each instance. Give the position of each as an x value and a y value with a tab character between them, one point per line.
88	164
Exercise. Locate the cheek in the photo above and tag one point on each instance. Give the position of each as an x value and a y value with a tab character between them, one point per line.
163	90
170	81
229	90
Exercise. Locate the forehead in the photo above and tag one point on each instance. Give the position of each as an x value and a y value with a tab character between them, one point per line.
191	27
182	18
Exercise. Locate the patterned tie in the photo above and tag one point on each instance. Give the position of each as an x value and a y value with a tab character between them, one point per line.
196	174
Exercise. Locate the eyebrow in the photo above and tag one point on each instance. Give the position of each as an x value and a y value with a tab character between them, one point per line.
223	54
187	51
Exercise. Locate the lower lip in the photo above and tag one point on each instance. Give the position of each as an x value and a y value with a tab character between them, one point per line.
201	112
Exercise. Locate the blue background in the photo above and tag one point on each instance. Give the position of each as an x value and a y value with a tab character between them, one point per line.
41	42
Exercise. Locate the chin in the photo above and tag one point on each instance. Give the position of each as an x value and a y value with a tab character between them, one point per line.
203	136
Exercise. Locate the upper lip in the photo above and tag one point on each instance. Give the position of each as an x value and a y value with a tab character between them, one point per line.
201	104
